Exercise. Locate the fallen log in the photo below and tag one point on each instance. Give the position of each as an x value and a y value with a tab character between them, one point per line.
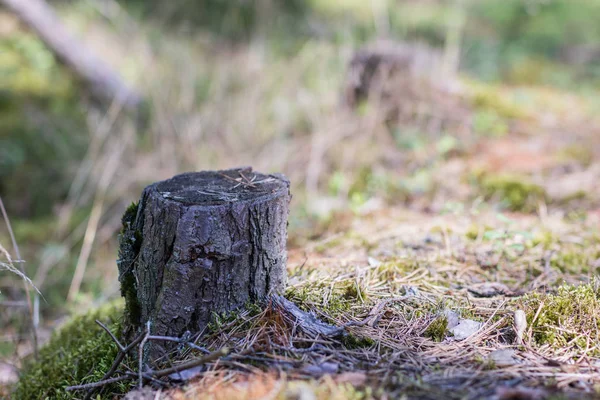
104	83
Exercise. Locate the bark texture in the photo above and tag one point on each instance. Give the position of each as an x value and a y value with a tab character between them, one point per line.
202	243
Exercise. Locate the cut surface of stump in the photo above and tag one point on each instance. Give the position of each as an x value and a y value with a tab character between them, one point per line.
202	243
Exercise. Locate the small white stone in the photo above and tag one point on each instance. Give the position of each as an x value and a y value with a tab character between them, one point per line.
452	318
503	357
465	328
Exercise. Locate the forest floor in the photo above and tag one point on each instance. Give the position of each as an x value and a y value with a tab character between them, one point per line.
455	250
493	297
481	286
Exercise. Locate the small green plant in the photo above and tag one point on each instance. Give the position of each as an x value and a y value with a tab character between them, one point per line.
436	330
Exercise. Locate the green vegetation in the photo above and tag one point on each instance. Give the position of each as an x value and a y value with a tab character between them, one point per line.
333	298
80	352
514	193
567	319
233	20
351	341
573	262
505	34
221	320
130	240
42	127
414	230
437	329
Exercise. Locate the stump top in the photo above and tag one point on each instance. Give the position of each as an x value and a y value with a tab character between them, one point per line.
211	188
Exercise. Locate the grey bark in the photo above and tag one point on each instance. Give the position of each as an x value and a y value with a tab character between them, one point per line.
202	243
104	83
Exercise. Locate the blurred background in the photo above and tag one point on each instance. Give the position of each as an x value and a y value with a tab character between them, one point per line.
437	106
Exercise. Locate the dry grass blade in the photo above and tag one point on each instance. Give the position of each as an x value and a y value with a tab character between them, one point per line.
33	311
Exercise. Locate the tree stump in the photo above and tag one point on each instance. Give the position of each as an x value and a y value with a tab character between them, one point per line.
202	243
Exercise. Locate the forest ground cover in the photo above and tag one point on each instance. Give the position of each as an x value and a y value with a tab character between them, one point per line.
417	206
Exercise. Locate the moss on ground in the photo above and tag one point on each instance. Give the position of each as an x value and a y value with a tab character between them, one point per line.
571	262
566	319
80	352
436	330
515	193
333	298
487	98
351	341
221	320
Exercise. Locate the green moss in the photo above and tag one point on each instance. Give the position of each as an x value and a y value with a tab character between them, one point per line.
546	239
130	240
577	196
129	214
488	99
515	193
567	318
577	153
80	352
489	123
436	330
333	298
571	262
473	232
329	244
398	268
354	292
221	320
351	341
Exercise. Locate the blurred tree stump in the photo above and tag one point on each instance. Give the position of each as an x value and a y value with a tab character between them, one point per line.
385	68
202	243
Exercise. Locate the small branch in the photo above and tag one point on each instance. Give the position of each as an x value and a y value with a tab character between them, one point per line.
119	359
179	340
33	317
191	364
119	345
141	355
98	384
154	374
142	339
308	322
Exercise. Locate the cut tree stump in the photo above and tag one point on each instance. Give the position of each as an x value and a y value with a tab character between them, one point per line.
202	243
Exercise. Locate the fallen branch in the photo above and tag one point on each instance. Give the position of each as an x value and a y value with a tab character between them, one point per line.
308	322
153	374
123	350
104	83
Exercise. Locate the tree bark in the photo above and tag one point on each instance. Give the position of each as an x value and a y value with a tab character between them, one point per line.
202	243
104	83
